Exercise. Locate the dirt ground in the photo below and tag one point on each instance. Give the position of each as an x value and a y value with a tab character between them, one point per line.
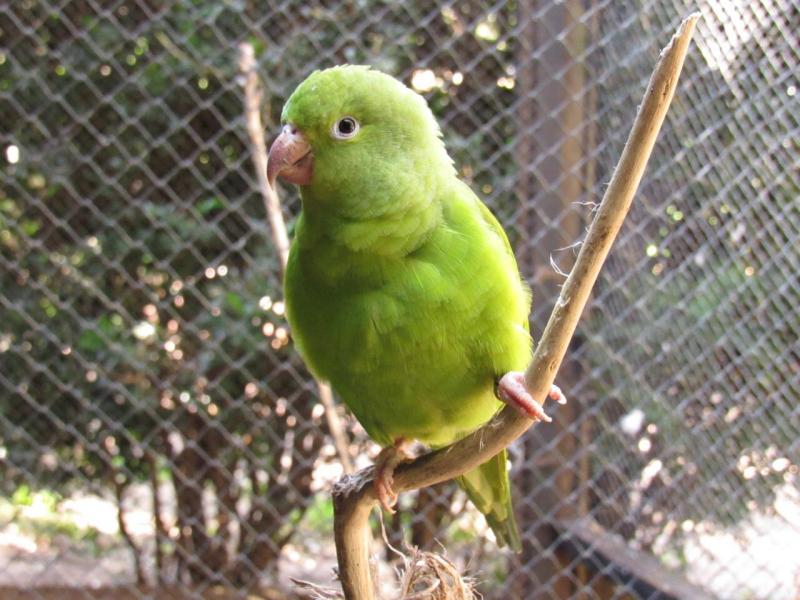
134	593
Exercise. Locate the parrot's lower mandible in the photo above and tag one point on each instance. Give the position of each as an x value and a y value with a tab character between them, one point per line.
401	289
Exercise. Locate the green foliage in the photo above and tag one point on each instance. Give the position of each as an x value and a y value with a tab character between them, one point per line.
134	261
22	496
319	515
39	514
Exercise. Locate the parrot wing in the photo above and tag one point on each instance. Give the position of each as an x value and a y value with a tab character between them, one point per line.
488	486
497	229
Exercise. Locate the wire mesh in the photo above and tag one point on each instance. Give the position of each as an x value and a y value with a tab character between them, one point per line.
147	364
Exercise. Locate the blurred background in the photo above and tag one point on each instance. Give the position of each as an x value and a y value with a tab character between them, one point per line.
159	436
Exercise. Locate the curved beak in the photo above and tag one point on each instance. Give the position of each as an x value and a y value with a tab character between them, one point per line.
290	157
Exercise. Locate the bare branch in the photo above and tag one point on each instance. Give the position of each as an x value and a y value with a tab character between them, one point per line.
119	492
252	109
354	495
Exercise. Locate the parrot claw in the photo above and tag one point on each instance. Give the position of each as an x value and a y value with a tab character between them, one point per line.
386	463
511	390
557	395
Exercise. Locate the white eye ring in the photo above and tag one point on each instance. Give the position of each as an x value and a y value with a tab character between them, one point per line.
345	128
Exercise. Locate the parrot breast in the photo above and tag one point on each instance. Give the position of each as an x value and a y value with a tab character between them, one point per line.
412	343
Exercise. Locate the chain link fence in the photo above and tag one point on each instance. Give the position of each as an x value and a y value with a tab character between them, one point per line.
145	362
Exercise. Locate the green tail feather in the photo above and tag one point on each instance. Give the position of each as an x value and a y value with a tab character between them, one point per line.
489	489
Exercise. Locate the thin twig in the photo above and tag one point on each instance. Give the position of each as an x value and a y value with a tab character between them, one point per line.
173	49
272	204
119	492
161	530
354	496
252	109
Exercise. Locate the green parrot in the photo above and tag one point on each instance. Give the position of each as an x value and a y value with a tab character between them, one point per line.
401	288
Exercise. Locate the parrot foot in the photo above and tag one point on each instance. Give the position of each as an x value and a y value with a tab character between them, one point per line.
511	390
387	461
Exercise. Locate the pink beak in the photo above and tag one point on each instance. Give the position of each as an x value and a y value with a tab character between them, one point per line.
290	157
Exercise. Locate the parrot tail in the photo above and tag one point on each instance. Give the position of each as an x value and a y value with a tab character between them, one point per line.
490	491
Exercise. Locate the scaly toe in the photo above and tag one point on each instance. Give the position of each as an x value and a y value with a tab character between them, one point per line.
385	493
388	459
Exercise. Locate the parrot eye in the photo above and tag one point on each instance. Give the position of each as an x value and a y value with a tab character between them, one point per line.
345	128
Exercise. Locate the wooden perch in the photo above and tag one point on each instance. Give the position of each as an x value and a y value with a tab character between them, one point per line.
354	496
272	205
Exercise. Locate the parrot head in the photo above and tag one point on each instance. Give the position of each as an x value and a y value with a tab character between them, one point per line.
350	134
